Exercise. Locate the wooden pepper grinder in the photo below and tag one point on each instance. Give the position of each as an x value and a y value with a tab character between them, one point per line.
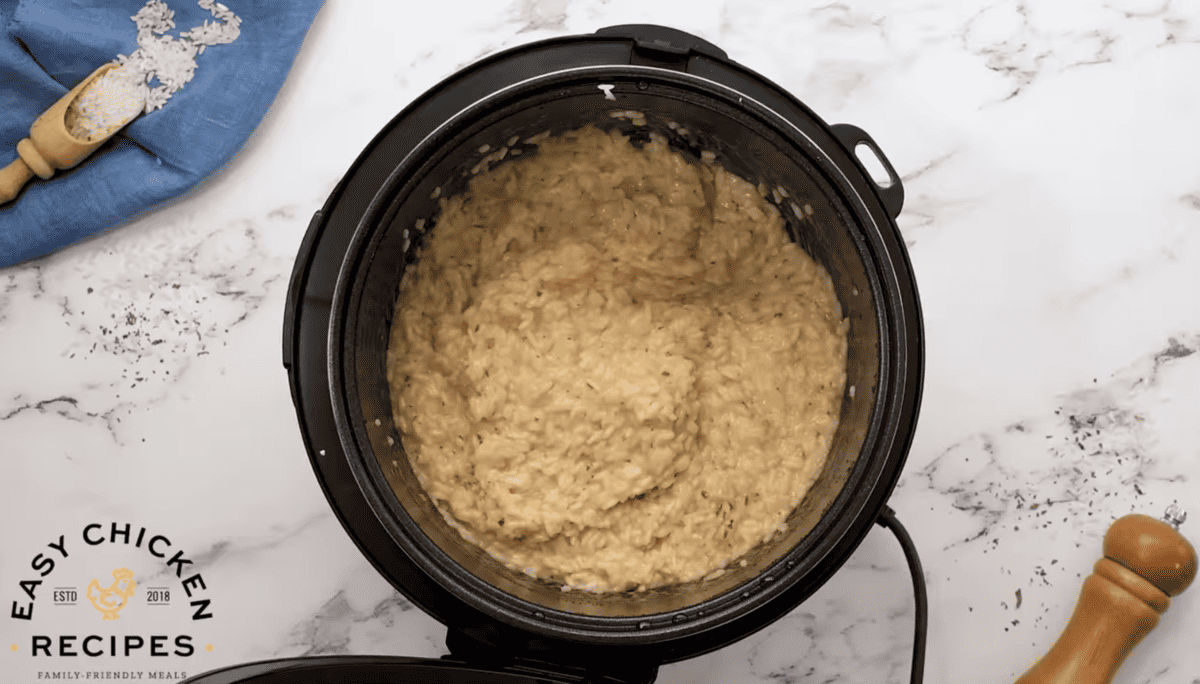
1146	561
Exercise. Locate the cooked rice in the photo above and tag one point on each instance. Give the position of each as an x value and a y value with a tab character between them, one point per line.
611	368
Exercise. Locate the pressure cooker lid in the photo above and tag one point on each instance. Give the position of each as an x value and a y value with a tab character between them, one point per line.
374	670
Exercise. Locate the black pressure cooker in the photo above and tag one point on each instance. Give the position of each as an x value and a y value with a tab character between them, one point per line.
505	626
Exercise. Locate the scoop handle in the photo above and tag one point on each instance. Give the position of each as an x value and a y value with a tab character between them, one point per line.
12	178
1146	561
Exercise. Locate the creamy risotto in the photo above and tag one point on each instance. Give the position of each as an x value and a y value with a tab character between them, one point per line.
611	368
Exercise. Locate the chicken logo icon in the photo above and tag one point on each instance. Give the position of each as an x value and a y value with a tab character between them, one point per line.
111	599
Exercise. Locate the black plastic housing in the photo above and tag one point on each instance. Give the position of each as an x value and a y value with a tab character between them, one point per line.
347	275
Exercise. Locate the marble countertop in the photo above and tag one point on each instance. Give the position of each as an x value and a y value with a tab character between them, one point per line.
1049	157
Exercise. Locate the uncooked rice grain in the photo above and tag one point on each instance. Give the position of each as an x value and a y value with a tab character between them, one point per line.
105	105
170	60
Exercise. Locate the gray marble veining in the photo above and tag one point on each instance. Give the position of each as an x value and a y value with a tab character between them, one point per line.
1052	213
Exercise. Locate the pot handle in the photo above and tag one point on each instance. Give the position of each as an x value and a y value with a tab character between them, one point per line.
662	45
296	287
892	194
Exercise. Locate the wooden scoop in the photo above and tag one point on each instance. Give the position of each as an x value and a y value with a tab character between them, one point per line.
51	146
1146	561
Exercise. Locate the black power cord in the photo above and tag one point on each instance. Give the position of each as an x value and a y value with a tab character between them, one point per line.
887	518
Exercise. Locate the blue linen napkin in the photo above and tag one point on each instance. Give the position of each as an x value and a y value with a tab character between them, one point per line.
48	46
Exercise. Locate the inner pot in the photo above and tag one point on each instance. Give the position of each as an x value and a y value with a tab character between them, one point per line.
831	210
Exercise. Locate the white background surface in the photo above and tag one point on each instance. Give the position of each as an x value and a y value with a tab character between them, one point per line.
1049	155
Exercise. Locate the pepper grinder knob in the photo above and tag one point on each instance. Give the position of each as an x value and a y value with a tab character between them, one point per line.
1146	561
1175	516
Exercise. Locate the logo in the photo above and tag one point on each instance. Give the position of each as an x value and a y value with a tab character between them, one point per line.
153	602
111	599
